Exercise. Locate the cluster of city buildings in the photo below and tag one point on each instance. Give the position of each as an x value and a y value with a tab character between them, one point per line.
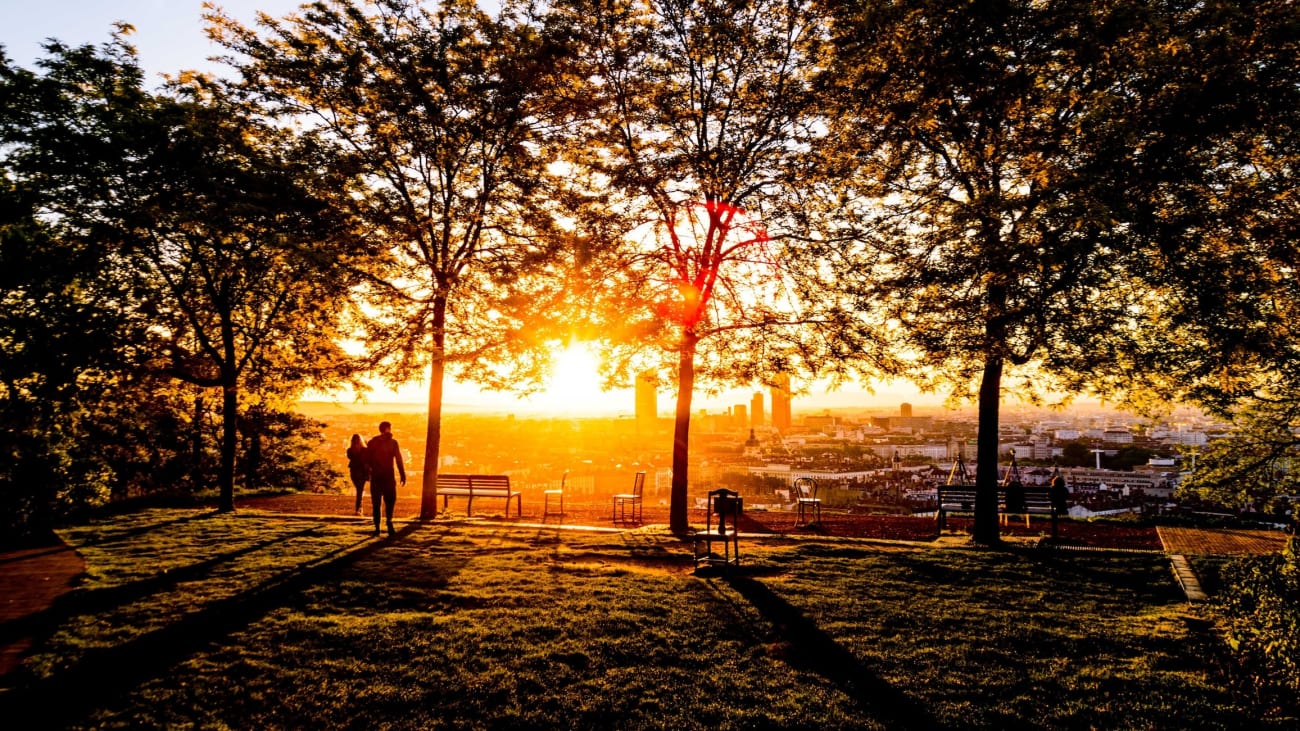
861	458
896	459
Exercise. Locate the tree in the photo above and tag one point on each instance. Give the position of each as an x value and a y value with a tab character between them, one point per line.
1077	454
211	256
283	451
1010	170
250	268
65	319
700	122
967	128
440	120
1210	177
1255	466
1230	222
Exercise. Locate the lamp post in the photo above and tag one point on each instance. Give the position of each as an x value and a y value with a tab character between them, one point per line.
898	482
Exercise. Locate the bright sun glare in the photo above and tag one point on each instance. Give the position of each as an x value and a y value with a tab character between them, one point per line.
574	385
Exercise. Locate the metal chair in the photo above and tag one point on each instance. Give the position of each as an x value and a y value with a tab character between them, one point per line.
806	500
559	493
634	498
725	506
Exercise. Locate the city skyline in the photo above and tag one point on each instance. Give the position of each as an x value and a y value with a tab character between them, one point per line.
467	398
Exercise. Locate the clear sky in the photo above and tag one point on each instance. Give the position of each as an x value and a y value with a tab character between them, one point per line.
169	37
169	33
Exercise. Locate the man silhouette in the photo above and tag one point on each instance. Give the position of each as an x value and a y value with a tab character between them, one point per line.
383	453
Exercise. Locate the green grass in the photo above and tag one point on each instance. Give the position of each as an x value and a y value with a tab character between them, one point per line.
188	619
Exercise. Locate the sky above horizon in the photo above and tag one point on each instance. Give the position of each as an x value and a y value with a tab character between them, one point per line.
169	34
169	37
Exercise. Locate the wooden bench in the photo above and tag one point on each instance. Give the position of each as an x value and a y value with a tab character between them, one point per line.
478	486
1037	500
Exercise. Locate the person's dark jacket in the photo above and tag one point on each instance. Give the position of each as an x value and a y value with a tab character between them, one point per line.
384	454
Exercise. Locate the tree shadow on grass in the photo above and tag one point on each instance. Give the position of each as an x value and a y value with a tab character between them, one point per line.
107	536
98	601
811	649
106	674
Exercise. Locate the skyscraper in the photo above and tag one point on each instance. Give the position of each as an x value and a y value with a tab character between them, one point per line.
781	403
756	410
740	416
647	399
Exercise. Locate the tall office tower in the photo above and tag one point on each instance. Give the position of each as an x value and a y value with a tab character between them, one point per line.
781	403
905	410
756	410
739	416
647	399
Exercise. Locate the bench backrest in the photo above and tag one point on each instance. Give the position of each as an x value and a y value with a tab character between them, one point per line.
956	495
474	483
446	480
1037	497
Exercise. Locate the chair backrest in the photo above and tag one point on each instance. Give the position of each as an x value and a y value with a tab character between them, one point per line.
638	484
805	487
724	503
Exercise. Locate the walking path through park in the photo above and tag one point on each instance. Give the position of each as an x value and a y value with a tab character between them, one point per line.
32	578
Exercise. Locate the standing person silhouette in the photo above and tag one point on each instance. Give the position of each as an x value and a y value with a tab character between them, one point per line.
383	454
1059	494
358	468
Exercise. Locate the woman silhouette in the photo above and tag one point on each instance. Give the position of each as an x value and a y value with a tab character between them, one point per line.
358	467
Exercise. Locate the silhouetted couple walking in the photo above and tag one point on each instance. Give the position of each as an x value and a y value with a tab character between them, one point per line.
381	462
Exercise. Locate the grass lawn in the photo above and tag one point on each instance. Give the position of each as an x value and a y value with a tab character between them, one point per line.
188	619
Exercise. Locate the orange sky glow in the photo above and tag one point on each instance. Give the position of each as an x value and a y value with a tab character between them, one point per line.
574	390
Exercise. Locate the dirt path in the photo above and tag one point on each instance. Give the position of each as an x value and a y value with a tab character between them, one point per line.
30	580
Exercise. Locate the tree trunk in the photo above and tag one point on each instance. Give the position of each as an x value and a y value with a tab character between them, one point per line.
197	466
986	453
677	520
433	428
229	445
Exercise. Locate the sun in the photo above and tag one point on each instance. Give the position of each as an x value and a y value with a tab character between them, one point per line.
574	383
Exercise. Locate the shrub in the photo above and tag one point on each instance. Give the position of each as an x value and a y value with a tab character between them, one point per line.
1260	605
